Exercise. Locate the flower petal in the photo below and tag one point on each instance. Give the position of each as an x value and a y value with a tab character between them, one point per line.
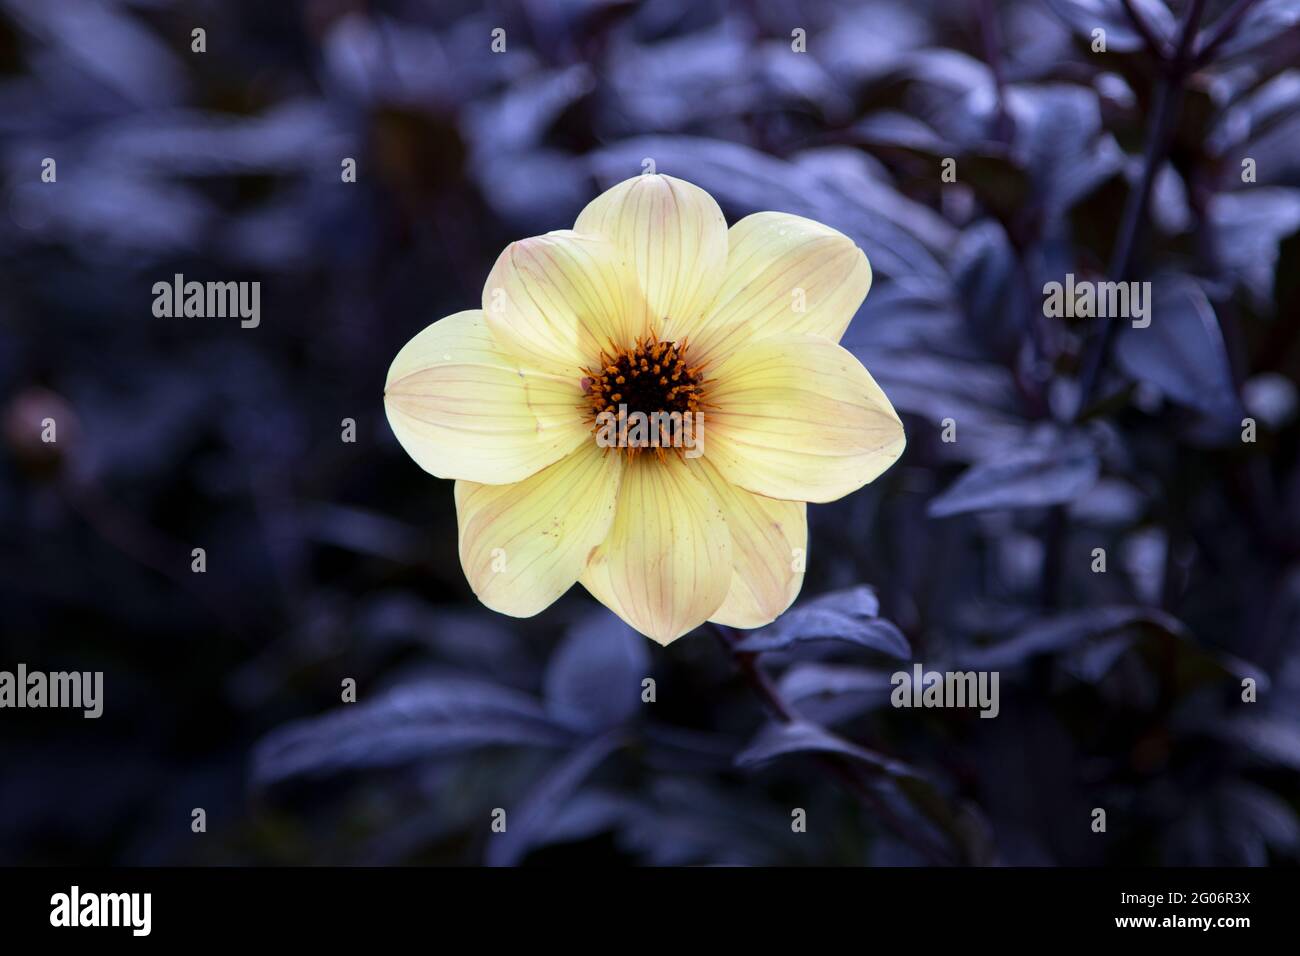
558	300
798	417
462	408
785	275
524	545
769	541
666	565
673	235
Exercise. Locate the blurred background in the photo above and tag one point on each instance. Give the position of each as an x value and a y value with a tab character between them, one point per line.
330	560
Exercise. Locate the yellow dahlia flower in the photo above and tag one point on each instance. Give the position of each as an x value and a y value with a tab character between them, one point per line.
649	304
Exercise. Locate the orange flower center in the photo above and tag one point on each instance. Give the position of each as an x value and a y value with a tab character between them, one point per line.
651	377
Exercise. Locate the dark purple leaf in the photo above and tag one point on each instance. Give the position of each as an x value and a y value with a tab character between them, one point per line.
1084	16
1065	151
430	719
1182	352
1055	634
1264	21
1266	812
594	678
800	737
832	693
1248	227
848	616
1255	113
527	823
1271	738
1049	473
984	267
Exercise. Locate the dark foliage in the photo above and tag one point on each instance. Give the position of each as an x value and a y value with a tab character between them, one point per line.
329	561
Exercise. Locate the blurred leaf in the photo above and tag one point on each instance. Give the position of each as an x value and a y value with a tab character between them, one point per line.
518	119
433	718
960	821
1049	473
925	382
848	616
1266	812
800	737
954	74
583	814
985	271
373	60
887	128
593	680
360	530
115	212
1271	398
1255	113
988	167
1248	227
673	84
110	45
913	323
284	139
1264	21
509	184
1055	634
832	693
1065	149
682	820
1166	648
796	79
1084	16
530	817
1182	352
1272	738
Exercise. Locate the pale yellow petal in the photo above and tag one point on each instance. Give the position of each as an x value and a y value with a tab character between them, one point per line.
524	545
558	300
769	541
785	275
463	408
799	418
674	236
666	566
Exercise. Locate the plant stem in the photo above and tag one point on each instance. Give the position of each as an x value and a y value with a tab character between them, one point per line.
1168	102
1154	43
